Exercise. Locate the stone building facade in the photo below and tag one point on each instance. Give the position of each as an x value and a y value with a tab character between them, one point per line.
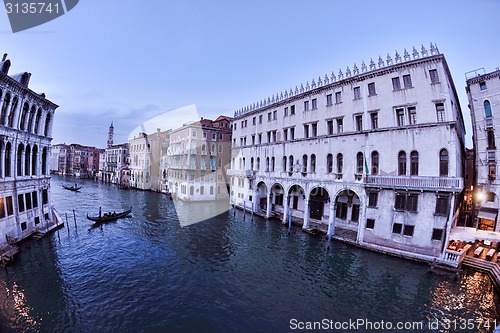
375	154
198	158
26	120
483	91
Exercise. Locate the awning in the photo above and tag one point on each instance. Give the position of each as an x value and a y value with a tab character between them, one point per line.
487	213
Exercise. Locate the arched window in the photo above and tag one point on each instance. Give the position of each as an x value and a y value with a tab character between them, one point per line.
10	120
44	161
8	160
5	106
443	163
20	150
359	163
340	164
487	109
313	163
329	163
258	163
272	163
304	163
34	161
375	163
402	163
24	114
30	120
27	164
267	164
414	163
251	163
290	164
47	125
283	166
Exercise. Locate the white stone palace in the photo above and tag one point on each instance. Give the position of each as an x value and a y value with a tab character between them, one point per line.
26	119
375	154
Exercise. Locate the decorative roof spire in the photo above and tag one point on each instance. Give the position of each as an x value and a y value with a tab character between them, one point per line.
347	72
372	64
415	53
389	60
363	67
424	51
397	57
406	55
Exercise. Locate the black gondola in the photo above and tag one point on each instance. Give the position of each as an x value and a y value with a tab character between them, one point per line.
74	188
107	217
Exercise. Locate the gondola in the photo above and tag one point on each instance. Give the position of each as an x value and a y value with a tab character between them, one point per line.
107	217
74	188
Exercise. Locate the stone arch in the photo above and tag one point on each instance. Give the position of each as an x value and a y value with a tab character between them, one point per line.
277	194
297	196
318	197
261	195
348	206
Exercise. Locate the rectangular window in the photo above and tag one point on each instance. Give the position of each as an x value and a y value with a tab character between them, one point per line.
269	116
397	228
437	234
400	203
260	138
253	140
408	230
407	81
374	116
329	127
314	130
359	122
306	105
285	134
442	205
2	208
28	200
412	115
441	116
268	137
275	115
371	89
292	110
45	197
329	100
37	220
341	210
372	199
396	85
23	226
306	131
314	104
10	207
254	120
400	116
370	223
355	213
338	97
433	73
482	86
260	119
285	112
412	203
292	133
340	125
357	93
20	202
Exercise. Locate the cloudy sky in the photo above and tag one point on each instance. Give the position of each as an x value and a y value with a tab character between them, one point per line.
129	61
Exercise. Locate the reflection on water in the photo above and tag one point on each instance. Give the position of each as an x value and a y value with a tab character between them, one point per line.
150	273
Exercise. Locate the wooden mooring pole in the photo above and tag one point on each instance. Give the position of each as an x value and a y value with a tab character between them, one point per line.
74	217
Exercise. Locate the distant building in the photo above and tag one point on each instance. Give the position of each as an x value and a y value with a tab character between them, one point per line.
198	158
145	155
74	160
26	119
375	154
483	91
115	159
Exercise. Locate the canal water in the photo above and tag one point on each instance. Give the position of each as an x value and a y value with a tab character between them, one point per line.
147	273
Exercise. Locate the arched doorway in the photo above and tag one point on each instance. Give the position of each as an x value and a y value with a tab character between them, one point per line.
261	198
317	199
348	206
297	196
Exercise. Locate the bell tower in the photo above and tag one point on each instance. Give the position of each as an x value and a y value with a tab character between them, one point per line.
110	135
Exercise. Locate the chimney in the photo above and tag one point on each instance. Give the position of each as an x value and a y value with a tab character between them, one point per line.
4	57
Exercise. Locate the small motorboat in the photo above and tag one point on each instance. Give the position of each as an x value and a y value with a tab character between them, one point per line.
74	188
110	216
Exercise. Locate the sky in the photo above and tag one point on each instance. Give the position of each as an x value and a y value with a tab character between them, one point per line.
126	61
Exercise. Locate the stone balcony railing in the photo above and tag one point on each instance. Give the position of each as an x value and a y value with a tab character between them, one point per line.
416	182
454	258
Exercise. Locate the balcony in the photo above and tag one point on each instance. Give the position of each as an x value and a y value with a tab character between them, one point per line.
416	182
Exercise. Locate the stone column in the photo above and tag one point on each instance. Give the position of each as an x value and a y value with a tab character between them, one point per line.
306	214
269	205
331	220
286	208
